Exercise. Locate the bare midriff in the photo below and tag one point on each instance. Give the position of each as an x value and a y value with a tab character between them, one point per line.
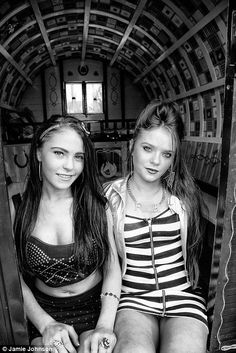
71	289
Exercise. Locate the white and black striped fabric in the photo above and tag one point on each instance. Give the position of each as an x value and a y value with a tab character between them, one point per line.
155	281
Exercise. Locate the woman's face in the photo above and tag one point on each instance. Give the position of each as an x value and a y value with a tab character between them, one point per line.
62	158
153	153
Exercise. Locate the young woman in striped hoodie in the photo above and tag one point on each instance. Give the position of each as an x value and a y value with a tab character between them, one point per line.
157	217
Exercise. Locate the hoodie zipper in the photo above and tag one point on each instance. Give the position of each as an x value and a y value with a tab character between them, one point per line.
149	221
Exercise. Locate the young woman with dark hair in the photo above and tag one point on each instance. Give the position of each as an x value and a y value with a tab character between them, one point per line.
157	216
64	240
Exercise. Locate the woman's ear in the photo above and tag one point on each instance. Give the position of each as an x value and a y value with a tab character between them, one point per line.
38	153
131	145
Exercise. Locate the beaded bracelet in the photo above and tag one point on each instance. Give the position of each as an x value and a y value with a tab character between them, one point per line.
110	295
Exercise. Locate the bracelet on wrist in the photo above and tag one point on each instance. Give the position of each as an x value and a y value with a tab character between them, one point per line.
109	294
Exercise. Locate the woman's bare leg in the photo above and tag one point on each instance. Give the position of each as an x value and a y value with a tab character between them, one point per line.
182	335
37	342
136	332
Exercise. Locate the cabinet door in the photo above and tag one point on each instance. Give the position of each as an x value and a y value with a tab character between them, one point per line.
12	320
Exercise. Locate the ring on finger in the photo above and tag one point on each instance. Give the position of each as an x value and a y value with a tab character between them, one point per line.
57	343
105	343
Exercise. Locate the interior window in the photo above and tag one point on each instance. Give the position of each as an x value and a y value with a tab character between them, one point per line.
84	98
94	98
74	98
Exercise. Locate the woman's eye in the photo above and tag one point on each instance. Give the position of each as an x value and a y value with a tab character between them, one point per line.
59	153
147	148
167	155
79	157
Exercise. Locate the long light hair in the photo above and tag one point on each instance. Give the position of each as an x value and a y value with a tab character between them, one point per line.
158	114
89	202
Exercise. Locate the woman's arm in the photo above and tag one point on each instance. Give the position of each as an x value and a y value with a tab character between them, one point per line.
33	310
109	298
111	282
49	328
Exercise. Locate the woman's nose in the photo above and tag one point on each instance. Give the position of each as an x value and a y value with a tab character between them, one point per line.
68	163
155	159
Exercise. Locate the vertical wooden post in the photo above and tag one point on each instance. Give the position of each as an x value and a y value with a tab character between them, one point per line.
223	333
12	321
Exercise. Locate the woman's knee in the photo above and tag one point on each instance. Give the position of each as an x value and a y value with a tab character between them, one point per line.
184	346
183	335
37	342
132	347
136	332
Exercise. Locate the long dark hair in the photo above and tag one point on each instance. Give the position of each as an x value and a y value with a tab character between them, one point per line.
89	202
158	114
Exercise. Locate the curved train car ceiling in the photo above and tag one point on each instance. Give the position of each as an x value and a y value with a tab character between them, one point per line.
174	49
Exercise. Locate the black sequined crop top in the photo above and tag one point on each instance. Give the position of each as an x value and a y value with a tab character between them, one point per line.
56	265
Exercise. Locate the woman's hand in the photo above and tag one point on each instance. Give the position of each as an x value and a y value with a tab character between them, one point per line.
60	337
99	340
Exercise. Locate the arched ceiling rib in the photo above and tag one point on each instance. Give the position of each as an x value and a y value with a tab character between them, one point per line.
43	31
85	29
191	32
171	47
129	28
